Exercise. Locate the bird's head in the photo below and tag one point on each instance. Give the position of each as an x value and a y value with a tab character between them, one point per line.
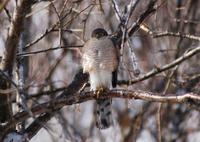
99	33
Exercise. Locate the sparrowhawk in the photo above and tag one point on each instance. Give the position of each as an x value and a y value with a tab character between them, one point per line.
100	60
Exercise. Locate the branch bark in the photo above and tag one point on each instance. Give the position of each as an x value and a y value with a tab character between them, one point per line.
57	104
9	57
16	28
157	70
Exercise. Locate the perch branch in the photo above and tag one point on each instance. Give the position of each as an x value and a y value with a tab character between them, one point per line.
56	104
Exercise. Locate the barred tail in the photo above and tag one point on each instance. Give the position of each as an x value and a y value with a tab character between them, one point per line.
104	114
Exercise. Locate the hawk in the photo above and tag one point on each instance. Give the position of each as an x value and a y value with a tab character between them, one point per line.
100	60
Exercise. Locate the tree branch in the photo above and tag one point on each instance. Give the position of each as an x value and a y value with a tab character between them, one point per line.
157	70
14	34
181	35
3	4
69	47
56	104
9	57
149	10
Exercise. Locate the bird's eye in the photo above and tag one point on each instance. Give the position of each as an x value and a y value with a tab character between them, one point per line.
101	35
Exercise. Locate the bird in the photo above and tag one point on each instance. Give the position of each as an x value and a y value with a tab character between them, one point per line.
100	60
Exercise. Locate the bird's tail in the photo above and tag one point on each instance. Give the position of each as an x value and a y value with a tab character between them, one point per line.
104	114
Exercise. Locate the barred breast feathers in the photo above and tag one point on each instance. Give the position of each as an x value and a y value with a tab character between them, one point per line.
99	54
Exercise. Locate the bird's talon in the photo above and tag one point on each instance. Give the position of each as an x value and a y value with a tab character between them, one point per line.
99	91
98	94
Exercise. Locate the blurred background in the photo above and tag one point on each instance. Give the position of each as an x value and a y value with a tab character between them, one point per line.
67	24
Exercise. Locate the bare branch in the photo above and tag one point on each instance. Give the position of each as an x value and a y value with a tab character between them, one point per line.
53	28
156	34
149	10
155	71
181	35
3	4
14	33
117	10
9	57
118	93
69	47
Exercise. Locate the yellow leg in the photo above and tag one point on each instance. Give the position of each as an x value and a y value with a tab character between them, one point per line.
99	91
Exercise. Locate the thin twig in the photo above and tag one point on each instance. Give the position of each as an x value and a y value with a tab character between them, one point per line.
181	35
69	47
156	34
117	10
149	10
3	4
159	115
54	27
155	71
8	14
